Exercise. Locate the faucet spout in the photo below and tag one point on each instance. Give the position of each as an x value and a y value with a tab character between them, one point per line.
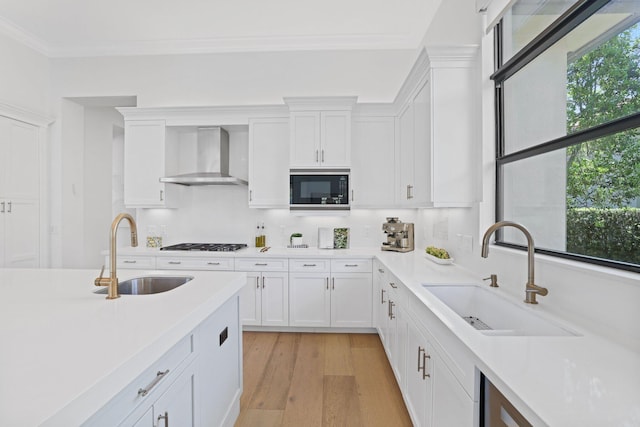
531	289
112	280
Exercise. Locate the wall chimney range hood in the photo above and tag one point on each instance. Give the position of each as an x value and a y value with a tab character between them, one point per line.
212	161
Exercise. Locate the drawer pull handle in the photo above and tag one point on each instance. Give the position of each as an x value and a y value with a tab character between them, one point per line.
420	350
128	261
262	264
213	263
351	265
381	270
393	285
382	301
308	265
175	262
160	375
425	356
164	417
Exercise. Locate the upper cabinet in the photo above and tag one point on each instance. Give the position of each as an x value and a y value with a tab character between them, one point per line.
436	128
269	162
148	156
320	132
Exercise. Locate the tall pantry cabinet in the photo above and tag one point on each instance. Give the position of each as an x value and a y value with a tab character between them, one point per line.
20	175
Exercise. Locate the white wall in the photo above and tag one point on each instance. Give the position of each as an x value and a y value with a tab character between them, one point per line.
24	76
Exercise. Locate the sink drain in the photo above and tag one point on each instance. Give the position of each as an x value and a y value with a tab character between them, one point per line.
477	323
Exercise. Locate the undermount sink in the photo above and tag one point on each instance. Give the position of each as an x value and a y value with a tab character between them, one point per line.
492	314
148	285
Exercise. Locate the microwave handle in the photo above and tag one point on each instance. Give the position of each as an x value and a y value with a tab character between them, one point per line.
352	198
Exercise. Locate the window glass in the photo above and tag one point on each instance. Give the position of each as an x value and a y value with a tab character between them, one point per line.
527	19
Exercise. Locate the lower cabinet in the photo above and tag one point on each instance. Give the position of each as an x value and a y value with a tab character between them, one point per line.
331	294
198	382
264	300
433	395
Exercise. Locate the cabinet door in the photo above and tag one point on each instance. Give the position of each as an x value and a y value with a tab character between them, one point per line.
406	160
309	299
422	165
275	299
176	406
335	138
251	300
381	303
351	295
20	161
305	139
418	385
373	181
144	163
21	238
452	406
269	162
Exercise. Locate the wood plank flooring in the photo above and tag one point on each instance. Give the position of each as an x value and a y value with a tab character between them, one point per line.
309	379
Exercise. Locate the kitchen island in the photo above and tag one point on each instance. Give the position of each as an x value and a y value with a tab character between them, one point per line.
68	353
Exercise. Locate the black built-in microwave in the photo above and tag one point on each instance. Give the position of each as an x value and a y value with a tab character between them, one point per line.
319	189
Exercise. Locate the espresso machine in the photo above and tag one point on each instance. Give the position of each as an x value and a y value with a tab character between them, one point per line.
399	235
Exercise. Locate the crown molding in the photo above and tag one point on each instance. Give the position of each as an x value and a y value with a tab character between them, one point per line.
23	36
308	103
24	115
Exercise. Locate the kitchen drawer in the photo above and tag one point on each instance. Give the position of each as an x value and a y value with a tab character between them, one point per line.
152	379
310	265
351	265
262	264
133	262
189	263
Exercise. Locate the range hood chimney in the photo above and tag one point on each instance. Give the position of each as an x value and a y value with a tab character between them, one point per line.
212	161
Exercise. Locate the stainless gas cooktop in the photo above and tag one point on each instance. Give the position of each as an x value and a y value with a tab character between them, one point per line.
212	247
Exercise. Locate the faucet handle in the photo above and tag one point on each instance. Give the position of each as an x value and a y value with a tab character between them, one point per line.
98	281
494	280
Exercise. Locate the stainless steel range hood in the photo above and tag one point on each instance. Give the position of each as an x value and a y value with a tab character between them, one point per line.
212	161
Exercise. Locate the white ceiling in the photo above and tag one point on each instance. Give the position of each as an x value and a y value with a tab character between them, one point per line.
64	28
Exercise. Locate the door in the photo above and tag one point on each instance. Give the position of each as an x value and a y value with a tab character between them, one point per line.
275	299
406	161
309	299
269	162
335	138
176	407
351	300
144	163
422	166
305	139
251	301
22	165
418	387
21	238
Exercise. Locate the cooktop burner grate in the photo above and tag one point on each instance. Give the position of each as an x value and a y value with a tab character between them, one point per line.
211	247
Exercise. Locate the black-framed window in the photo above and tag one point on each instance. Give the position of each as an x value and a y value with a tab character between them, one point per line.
567	86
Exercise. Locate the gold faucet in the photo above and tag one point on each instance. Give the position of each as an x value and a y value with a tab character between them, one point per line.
112	280
531	289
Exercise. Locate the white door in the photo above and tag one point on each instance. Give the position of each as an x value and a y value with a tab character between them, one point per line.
335	138
422	167
22	165
406	160
269	162
452	406
417	383
251	301
275	299
305	139
373	182
144	163
176	406
351	300
21	238
309	299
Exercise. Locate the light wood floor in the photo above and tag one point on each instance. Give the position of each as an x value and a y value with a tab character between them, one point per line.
305	380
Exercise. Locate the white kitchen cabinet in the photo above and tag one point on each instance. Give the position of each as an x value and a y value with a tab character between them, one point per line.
177	403
437	129
264	300
269	162
148	156
381	311
396	328
19	194
414	150
433	395
373	181
320	139
338	294
132	262
194	263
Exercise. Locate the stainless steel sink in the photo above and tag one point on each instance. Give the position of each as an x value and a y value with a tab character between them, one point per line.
148	285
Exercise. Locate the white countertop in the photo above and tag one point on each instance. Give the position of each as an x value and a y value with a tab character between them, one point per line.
66	350
562	381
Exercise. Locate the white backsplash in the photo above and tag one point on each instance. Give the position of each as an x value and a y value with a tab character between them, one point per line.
221	214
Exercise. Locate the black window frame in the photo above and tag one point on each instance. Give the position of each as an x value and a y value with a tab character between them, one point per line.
574	16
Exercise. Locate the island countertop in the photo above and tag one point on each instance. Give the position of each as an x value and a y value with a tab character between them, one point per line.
66	350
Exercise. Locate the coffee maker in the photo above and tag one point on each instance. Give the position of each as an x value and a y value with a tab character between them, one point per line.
399	235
